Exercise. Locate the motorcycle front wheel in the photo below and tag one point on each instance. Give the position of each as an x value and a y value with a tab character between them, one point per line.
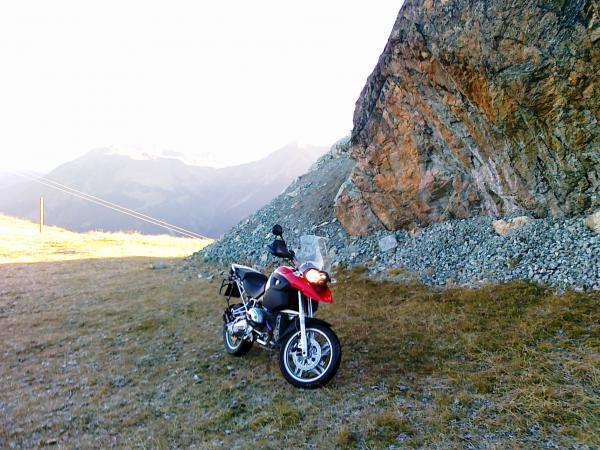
319	366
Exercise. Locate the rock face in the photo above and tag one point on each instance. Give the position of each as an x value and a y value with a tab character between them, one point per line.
478	108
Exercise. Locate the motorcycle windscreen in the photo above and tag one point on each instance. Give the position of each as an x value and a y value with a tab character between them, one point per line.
313	250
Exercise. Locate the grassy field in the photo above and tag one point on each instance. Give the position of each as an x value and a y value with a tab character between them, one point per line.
21	241
107	353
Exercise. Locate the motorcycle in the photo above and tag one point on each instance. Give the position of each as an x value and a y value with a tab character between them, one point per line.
277	312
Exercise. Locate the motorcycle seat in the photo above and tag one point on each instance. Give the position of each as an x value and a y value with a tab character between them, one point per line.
253	281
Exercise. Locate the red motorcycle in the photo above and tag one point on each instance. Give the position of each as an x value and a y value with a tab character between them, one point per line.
277	312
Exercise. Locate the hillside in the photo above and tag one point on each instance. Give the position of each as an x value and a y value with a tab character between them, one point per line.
22	242
493	118
108	353
205	200
561	252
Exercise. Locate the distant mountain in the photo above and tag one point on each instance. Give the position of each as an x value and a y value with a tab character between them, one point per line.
202	199
10	179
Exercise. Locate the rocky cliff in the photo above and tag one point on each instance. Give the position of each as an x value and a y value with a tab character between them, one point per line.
475	110
478	108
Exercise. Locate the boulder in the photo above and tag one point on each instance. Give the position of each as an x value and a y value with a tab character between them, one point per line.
593	222
477	108
503	227
387	243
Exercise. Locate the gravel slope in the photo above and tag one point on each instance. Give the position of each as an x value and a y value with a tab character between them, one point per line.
558	252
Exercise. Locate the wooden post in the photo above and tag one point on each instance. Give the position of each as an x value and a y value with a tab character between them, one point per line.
41	213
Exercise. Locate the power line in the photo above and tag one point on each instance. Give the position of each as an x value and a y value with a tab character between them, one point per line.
119	209
168	226
117	206
113	206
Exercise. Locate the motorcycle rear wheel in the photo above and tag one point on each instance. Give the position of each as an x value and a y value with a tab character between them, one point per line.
322	362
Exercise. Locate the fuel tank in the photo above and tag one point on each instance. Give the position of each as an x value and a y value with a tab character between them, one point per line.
280	294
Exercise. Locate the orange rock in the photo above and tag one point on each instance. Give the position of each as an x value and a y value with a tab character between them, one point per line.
503	227
476	110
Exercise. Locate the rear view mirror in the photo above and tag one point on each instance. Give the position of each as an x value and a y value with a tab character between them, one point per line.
279	249
277	230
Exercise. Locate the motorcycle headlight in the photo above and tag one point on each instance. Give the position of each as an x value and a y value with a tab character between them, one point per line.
316	277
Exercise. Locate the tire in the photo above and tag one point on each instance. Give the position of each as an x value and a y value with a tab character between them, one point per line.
293	366
235	346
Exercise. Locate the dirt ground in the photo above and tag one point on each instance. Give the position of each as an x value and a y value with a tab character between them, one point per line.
109	353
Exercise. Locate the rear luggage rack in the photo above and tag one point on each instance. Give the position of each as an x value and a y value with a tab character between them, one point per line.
231	288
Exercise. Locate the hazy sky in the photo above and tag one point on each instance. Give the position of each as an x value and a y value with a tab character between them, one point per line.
235	79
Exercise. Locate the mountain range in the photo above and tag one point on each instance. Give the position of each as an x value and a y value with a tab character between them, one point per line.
204	200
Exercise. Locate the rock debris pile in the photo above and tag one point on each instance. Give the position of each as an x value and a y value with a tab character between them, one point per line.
564	253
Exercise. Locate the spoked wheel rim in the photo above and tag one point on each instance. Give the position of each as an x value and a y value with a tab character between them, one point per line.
233	342
318	360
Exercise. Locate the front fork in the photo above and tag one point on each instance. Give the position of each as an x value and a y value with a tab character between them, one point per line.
302	319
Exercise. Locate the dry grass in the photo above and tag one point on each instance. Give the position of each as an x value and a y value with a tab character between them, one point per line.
101	353
21	241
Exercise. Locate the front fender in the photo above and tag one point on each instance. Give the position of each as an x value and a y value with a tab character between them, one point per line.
295	326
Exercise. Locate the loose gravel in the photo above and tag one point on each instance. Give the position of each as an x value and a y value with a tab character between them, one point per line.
562	253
